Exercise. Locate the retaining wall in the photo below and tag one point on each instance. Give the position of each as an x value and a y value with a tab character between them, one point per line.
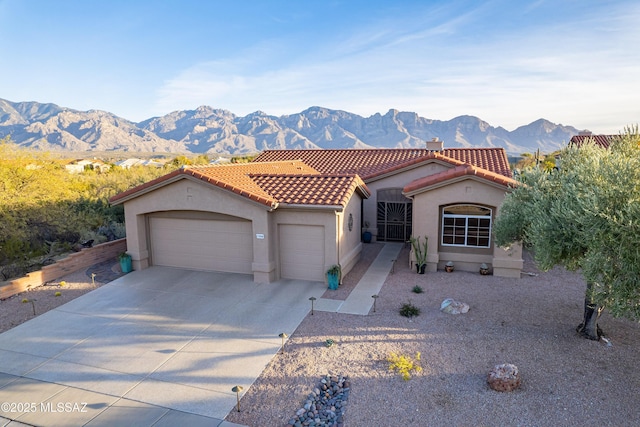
72	263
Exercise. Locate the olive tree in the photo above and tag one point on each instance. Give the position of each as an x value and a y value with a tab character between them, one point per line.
584	215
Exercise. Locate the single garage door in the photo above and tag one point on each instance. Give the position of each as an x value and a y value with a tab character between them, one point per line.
302	252
199	244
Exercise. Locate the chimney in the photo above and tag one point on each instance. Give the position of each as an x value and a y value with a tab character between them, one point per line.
435	144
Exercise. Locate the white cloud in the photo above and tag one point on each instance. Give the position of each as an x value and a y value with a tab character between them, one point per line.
566	73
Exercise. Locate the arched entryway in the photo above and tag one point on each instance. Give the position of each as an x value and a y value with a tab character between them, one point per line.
394	215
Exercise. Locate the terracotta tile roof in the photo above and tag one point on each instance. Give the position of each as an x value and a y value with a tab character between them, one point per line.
270	184
458	172
233	177
322	177
602	140
236	177
369	163
492	159
329	190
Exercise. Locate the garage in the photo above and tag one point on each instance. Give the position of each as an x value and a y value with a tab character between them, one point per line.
279	219
301	252
202	244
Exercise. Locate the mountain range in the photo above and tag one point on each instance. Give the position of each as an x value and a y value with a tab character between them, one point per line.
217	131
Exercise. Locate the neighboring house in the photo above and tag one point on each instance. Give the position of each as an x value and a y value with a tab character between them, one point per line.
602	140
294	213
127	163
582	138
79	166
220	161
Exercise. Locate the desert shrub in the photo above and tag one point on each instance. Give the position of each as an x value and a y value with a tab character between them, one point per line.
404	365
113	231
44	209
409	310
417	289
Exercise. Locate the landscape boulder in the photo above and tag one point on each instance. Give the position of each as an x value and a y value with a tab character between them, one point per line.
504	377
452	306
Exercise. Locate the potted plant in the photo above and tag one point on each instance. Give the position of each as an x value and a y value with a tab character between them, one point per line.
420	252
366	234
333	276
484	269
125	262
448	267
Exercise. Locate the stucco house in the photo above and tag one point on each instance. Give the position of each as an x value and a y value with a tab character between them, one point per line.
294	213
82	165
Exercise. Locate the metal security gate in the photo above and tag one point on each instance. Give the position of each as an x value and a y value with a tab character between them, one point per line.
394	216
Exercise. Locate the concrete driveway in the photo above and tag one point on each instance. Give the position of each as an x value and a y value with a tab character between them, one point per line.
155	344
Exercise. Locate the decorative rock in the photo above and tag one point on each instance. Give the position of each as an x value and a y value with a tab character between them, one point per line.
504	377
325	408
452	306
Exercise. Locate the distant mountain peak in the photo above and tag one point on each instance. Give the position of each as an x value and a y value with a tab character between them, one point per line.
210	130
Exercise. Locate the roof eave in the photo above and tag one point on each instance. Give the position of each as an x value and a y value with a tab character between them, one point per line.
260	201
310	207
145	188
364	190
456	179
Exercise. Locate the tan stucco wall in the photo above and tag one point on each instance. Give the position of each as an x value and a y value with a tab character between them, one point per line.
426	222
341	246
187	194
399	180
350	244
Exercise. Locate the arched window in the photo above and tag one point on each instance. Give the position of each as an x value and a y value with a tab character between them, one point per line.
466	225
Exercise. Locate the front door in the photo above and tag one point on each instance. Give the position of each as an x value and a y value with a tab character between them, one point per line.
394	219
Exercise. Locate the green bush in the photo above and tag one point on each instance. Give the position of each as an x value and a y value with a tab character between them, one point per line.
409	310
417	290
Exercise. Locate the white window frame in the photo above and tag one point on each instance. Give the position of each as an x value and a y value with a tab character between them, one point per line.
466	227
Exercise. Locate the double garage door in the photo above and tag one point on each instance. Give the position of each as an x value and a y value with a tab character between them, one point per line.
202	244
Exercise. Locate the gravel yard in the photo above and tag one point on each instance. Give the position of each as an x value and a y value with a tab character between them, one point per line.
529	322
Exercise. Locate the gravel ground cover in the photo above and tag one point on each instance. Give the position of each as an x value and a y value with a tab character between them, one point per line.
13	311
529	322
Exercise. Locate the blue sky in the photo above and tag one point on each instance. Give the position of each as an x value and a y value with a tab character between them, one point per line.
574	62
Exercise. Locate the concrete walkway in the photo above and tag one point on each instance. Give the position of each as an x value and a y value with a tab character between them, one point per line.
159	347
360	299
